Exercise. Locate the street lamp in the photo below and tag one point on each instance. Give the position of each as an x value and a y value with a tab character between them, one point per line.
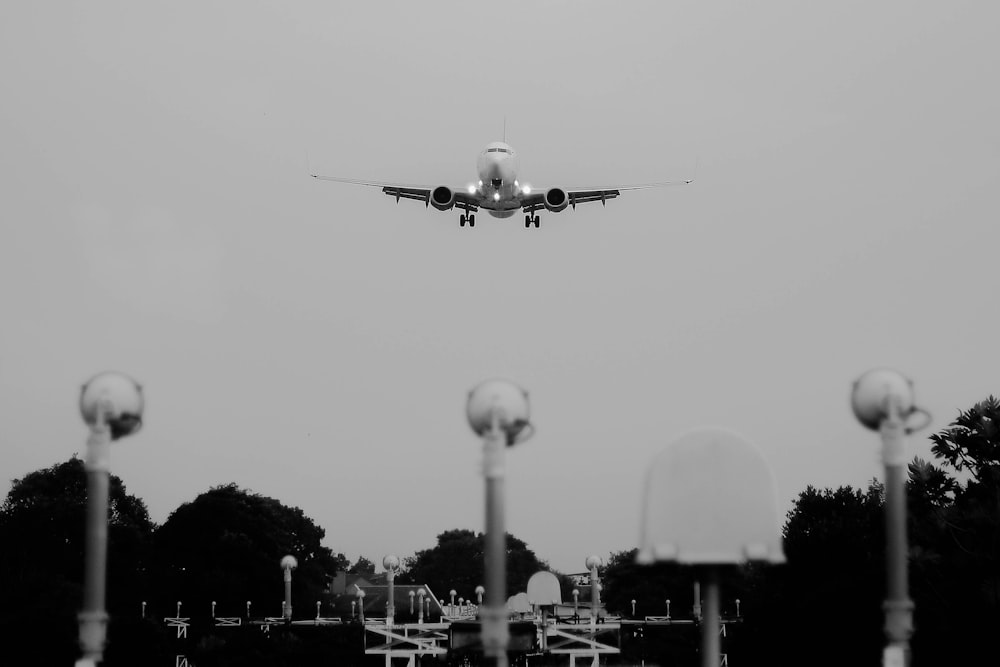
390	563
883	400
420	605
479	595
497	411
576	603
594	562
412	595
288	563
111	405
361	605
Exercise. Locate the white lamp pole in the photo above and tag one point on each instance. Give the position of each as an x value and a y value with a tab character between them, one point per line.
882	400
594	562
420	606
288	563
497	411
111	405
390	563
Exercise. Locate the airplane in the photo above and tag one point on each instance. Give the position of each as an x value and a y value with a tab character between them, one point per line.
498	190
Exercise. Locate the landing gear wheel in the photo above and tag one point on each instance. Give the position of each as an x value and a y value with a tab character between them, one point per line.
461	220
472	220
527	221
537	221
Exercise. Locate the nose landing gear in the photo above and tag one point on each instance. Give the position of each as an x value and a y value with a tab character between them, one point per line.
471	219
532	220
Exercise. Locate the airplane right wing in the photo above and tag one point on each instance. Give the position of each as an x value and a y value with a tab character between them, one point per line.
402	191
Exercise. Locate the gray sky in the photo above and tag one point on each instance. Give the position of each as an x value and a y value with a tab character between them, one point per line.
315	342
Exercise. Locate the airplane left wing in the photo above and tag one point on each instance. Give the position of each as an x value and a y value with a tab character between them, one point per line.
574	196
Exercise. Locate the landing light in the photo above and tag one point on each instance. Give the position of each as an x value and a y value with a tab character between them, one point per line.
496	196
472	189
526	189
480	184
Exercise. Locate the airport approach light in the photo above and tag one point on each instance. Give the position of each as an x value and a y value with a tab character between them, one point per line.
883	400
288	563
497	411
391	564
111	405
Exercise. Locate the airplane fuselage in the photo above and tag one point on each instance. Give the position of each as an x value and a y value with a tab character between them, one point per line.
497	167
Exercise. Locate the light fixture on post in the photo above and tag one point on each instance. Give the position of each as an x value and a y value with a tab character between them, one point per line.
288	563
497	411
390	563
593	563
883	400
111	405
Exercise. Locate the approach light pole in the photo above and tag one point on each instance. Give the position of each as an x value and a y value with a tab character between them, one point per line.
390	563
594	562
497	411
111	405
883	400
288	563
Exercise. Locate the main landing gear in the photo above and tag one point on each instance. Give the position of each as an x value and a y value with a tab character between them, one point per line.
471	219
532	220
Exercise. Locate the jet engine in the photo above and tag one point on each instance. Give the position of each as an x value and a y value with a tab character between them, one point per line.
556	199
442	198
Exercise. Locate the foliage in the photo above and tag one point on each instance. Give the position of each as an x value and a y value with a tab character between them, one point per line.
226	546
42	524
456	562
362	566
972	442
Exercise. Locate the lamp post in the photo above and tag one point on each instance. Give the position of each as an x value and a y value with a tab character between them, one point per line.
883	400
420	606
451	605
497	411
361	605
390	563
479	595
412	595
111	405
594	562
576	603
288	563
668	609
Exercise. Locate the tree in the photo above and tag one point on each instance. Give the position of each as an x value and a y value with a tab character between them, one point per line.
958	591
830	589
457	563
362	566
42	525
226	546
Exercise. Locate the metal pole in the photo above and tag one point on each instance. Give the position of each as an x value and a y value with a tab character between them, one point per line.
390	611
898	606
595	594
710	645
93	618
496	634
288	594
697	600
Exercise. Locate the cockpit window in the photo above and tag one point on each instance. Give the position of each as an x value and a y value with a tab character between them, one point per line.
498	150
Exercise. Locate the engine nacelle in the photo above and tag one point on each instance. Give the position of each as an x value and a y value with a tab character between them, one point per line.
555	199
442	198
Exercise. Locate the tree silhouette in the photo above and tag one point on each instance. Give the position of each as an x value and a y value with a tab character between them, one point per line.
226	546
42	524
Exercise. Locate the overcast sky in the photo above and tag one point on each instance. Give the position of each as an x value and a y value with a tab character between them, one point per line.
314	341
